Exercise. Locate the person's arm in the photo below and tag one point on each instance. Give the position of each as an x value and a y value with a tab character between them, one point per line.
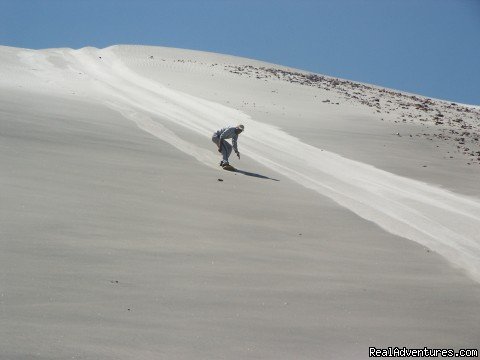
234	143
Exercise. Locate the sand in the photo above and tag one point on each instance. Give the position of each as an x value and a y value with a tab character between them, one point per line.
118	241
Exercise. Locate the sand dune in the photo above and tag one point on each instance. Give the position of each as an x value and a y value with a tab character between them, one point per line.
439	219
348	142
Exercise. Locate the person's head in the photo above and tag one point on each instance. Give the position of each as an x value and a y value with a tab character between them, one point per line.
239	129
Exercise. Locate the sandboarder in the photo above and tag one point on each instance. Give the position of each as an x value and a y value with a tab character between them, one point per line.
224	146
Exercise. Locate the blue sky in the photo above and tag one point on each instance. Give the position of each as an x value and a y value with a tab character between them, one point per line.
429	47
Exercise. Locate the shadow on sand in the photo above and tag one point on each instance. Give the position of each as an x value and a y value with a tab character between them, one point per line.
254	175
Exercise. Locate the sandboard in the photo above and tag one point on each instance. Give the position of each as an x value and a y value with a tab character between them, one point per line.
229	168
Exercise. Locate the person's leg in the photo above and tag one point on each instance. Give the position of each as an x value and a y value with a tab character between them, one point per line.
226	150
216	141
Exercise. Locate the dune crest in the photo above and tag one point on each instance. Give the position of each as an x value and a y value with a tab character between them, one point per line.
439	219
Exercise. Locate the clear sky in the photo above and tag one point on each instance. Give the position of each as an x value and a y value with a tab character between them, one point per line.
429	47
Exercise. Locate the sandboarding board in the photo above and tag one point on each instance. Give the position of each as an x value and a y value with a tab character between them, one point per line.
229	168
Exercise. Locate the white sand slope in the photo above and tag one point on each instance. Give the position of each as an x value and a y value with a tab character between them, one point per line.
357	153
445	222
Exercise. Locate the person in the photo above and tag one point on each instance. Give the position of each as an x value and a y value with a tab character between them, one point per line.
229	132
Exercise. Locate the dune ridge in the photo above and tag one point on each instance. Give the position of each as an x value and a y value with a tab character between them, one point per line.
121	237
439	219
